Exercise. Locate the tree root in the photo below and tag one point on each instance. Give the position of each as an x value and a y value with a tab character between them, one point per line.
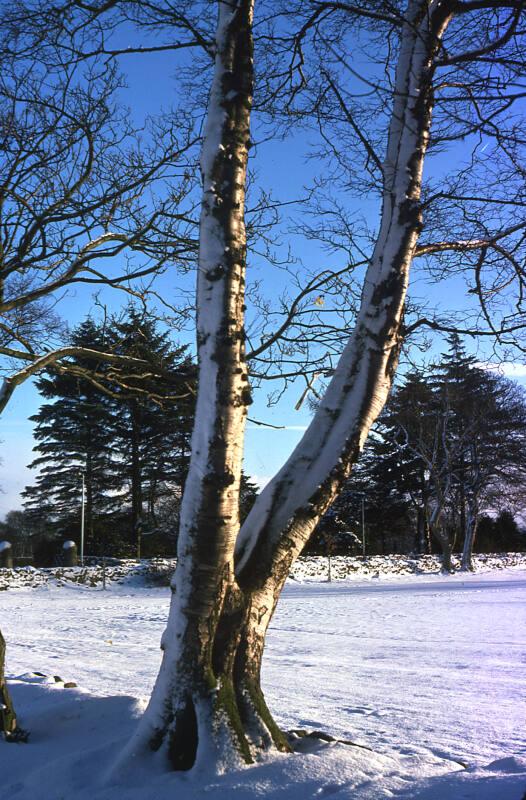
321	736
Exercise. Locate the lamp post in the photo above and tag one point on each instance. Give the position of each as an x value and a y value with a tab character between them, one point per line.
82	508
425	540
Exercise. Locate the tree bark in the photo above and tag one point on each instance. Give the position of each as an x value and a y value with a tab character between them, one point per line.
441	536
447	553
288	509
466	564
193	715
207	706
8	724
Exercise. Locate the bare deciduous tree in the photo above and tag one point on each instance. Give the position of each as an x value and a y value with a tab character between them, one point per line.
85	199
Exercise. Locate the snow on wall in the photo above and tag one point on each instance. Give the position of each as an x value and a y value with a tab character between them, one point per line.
309	568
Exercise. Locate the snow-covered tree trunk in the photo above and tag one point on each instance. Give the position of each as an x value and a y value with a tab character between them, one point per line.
207	705
290	506
193	716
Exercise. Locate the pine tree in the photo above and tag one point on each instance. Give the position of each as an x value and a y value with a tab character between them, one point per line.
376	498
73	437
128	432
152	431
450	438
487	435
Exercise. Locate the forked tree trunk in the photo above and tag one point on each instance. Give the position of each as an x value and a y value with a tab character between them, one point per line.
290	506
207	707
441	535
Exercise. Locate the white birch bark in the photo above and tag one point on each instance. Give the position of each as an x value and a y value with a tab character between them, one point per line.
202	700
290	506
191	717
363	377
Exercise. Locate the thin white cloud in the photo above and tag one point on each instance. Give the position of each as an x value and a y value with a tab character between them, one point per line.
512	369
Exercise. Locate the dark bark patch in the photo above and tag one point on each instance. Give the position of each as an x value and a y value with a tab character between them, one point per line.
215	274
184	738
251	702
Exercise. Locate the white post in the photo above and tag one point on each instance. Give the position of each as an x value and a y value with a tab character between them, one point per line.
82	524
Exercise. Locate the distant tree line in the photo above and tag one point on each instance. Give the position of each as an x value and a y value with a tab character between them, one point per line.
443	470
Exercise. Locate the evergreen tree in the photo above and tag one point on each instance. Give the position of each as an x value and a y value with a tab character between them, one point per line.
500	534
449	440
247	496
129	434
375	498
73	438
152	429
486	434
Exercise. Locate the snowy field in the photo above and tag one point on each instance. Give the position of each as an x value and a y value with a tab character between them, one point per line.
426	674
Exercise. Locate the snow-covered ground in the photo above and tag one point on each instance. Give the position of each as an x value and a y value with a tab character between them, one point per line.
425	673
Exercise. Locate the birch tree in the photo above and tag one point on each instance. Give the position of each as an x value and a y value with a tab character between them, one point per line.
207	706
207	709
8	721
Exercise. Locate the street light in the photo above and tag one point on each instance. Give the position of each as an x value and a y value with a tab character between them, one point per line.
424	543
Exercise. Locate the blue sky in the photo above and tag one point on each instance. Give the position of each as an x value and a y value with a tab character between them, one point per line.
282	167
